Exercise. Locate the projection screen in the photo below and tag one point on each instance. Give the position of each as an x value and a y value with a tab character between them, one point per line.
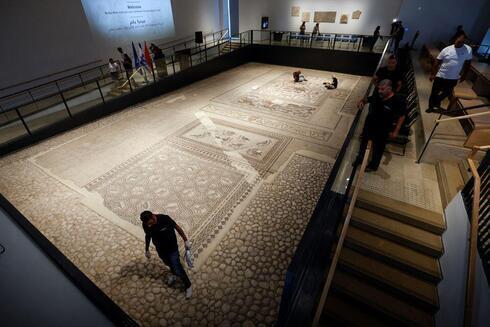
118	22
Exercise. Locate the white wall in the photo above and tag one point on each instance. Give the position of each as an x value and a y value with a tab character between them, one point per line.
38	38
374	13
437	19
454	263
250	13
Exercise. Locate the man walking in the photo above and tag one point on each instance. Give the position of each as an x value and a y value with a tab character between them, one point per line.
386	108
452	64
161	229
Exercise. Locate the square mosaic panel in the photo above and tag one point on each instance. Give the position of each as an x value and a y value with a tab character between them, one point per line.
309	133
227	141
197	193
283	98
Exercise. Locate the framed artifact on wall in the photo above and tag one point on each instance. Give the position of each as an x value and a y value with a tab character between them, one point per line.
325	16
306	16
356	14
344	19
295	11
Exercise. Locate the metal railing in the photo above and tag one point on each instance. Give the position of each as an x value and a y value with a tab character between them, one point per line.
449	113
476	195
331	41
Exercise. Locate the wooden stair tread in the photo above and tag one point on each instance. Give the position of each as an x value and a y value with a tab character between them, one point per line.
400	231
385	274
381	301
450	180
346	313
395	252
407	213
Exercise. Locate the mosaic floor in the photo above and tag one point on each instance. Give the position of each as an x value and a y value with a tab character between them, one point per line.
238	160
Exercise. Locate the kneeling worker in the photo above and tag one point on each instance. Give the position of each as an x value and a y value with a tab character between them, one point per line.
161	229
386	108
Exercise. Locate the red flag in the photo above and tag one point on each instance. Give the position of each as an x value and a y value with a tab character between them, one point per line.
147	56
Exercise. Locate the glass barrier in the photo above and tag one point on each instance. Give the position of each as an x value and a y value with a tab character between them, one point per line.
343	42
49	107
11	126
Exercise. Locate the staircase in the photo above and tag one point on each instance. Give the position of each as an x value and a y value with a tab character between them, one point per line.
229	46
388	269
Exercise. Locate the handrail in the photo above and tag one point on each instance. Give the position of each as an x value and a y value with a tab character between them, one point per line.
308	33
52	74
448	112
343	233
463	117
86	70
439	120
470	278
222	36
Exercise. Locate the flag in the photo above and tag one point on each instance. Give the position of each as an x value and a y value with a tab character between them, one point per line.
137	62
147	56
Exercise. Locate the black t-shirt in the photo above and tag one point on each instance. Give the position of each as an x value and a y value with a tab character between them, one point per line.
162	234
394	76
382	114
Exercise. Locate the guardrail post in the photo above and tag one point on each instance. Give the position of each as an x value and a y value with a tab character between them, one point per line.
64	100
100	91
23	121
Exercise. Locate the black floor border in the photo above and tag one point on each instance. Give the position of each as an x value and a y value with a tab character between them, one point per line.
103	302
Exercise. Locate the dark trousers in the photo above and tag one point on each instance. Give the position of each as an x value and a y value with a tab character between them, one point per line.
379	139
172	260
441	89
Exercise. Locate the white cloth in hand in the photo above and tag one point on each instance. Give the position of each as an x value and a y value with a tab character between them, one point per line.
188	258
187	245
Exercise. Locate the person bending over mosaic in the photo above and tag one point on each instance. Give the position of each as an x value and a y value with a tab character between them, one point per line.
161	230
333	84
298	77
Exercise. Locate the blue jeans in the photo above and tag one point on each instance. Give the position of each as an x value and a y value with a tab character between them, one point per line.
172	260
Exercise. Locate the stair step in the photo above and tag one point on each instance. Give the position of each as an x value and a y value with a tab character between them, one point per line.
380	301
450	180
429	220
397	255
396	231
391	279
346	313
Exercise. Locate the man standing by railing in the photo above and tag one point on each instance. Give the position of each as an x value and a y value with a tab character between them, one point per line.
452	64
385	108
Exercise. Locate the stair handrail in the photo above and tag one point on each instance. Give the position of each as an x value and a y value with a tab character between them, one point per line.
475	212
463	117
222	36
343	233
449	112
439	120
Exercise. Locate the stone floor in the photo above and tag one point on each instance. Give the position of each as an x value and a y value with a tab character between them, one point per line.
238	160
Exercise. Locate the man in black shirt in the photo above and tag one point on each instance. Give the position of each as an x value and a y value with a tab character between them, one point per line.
391	72
386	108
161	230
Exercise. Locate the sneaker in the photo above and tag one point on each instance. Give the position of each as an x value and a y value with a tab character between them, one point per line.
171	280
188	292
370	169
